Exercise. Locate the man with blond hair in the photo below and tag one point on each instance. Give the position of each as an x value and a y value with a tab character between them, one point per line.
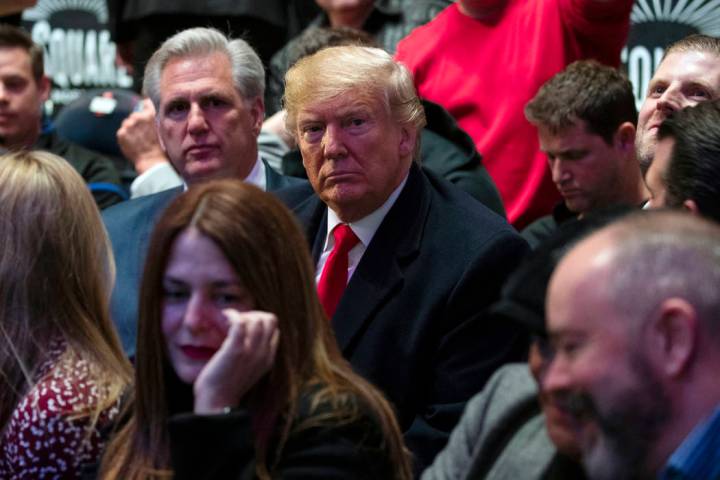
405	262
688	74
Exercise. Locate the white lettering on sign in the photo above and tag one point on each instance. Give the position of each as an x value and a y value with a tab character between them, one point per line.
75	57
640	67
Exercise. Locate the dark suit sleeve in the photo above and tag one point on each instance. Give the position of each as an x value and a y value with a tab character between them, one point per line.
221	447
471	346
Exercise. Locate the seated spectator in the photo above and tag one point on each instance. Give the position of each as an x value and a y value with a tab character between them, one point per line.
632	313
235	351
207	91
445	149
405	262
686	170
586	117
62	368
24	91
688	74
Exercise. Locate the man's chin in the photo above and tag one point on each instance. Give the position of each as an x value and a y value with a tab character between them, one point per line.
202	172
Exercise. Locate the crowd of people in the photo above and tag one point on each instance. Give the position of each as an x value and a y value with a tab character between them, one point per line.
407	258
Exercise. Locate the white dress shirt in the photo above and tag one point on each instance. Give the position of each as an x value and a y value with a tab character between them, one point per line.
364	229
163	176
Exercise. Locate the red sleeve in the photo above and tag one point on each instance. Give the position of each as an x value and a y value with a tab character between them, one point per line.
600	27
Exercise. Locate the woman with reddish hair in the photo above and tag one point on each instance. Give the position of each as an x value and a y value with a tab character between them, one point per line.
238	372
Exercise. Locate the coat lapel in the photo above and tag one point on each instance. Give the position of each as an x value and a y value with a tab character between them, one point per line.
380	274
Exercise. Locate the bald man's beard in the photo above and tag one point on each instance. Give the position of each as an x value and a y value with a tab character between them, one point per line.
628	426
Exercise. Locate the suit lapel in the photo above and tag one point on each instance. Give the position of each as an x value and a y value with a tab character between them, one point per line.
380	273
273	180
312	214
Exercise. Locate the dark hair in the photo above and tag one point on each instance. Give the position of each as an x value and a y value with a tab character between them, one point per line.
522	298
693	171
262	241
316	38
586	90
15	37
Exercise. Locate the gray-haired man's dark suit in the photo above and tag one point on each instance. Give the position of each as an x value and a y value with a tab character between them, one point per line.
130	226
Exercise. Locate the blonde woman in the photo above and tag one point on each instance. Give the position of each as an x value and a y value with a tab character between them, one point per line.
63	371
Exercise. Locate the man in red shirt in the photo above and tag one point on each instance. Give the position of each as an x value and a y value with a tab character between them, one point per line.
483	60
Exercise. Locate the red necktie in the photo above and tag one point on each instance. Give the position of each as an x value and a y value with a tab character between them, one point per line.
335	273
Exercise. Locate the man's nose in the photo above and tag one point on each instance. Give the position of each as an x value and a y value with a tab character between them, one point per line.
670	101
555	375
333	144
197	123
197	313
559	171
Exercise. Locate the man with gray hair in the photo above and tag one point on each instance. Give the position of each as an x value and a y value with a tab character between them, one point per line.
632	315
406	262
208	92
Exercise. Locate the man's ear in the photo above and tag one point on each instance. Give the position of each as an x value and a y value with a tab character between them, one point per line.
257	112
159	137
674	336
625	137
691	206
408	140
44	88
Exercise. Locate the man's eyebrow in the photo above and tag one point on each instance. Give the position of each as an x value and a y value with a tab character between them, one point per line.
700	83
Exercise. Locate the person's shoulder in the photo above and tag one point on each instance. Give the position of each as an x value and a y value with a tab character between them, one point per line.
143	207
427	31
513	377
459	210
295	193
80	157
338	409
50	430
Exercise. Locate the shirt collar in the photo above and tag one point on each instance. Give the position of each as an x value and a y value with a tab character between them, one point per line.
366	227
256	176
699	454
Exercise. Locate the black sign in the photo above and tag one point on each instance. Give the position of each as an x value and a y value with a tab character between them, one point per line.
655	25
79	54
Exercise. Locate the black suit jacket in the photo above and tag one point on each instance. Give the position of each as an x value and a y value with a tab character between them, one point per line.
130	225
411	317
221	447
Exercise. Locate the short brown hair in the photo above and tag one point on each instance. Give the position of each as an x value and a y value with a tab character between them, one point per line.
14	37
586	90
695	43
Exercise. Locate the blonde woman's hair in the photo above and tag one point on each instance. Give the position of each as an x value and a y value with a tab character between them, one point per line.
56	273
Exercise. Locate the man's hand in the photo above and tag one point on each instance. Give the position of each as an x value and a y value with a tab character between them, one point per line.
245	356
138	140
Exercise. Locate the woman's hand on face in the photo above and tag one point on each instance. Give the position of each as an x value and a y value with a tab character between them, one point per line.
245	356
